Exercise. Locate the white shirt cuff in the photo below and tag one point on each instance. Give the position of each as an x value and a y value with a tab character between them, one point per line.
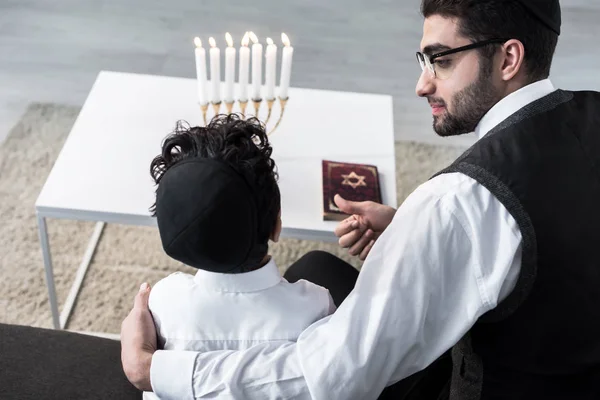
171	374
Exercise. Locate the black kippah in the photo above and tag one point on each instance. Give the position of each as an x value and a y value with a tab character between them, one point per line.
546	11
207	216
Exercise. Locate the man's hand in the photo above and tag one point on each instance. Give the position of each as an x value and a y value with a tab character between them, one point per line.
138	341
367	221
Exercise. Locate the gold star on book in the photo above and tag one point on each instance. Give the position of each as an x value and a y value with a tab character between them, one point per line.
357	180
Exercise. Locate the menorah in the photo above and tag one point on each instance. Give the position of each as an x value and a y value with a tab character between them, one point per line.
243	105
216	98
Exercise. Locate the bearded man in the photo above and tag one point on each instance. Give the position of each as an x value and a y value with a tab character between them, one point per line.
494	259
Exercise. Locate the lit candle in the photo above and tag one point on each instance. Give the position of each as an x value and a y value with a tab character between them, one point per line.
286	66
229	68
270	68
201	71
244	68
256	67
215	70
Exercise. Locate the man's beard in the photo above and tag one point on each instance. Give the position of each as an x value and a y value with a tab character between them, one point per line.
470	105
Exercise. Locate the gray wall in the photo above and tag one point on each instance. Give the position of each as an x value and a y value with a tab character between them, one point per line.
52	50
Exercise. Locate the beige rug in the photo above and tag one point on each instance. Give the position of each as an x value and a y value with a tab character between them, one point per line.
126	255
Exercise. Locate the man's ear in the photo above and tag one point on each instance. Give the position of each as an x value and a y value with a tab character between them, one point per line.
277	231
514	56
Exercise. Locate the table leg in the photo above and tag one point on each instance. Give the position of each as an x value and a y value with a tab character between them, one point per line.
43	233
81	271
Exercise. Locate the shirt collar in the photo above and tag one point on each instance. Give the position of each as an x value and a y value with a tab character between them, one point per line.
513	103
252	281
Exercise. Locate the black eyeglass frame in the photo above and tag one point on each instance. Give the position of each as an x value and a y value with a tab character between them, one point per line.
458	50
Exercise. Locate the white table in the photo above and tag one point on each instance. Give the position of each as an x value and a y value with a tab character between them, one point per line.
102	172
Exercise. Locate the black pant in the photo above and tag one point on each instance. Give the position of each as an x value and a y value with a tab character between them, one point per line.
339	278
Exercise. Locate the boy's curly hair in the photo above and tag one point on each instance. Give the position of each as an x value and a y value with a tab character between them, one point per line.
243	144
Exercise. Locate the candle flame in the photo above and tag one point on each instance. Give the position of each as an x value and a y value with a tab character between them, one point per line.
285	39
253	37
269	41
245	40
229	39
211	41
197	42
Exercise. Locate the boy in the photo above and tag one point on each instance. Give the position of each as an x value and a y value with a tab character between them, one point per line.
217	206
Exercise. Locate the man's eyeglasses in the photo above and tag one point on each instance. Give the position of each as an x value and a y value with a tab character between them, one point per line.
442	69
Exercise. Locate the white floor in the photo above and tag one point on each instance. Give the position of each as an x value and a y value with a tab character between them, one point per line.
51	51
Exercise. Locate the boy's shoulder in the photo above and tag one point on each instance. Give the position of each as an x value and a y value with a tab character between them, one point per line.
177	281
310	290
305	286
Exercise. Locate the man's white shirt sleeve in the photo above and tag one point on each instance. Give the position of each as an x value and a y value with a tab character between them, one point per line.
451	254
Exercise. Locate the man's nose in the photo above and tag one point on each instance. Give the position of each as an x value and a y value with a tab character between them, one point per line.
425	84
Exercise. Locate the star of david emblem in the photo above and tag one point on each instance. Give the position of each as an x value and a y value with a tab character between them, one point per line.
353	180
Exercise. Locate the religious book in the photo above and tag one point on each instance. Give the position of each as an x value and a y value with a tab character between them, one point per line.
354	182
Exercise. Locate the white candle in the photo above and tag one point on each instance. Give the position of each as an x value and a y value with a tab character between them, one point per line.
256	67
270	68
201	72
244	68
286	66
215	70
229	68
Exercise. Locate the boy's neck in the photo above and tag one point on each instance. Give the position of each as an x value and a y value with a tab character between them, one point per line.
264	262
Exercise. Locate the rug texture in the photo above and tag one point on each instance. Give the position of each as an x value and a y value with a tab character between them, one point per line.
126	256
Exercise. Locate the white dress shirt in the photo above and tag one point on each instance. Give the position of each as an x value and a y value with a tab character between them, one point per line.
211	311
451	253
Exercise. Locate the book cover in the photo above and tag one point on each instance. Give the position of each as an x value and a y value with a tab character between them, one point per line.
354	182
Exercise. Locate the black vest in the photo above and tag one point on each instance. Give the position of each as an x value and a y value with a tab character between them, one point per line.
543	340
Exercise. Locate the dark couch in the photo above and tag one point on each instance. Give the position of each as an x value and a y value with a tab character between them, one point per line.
48	364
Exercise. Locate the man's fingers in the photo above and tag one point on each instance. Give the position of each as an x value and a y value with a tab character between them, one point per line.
365	252
357	248
350	238
345	226
138	341
141	298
